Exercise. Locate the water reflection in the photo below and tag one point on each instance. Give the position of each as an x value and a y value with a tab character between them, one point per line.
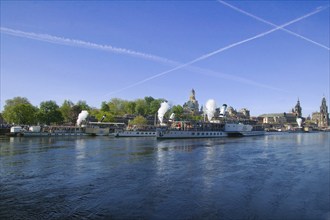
80	147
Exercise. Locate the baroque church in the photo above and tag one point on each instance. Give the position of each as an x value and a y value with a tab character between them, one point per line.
191	106
297	109
322	117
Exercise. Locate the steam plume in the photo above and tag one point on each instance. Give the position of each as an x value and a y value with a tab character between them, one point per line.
164	107
210	109
299	122
82	116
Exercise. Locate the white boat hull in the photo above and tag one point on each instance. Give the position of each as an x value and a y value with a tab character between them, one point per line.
170	134
245	133
45	134
135	134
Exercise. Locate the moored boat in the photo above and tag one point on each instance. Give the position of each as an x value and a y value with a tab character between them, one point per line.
38	131
186	129
136	131
240	129
101	128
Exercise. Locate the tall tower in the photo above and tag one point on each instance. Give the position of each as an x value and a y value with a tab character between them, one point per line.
297	109
324	115
192	105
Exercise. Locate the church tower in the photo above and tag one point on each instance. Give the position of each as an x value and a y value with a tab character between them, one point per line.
192	105
297	109
324	115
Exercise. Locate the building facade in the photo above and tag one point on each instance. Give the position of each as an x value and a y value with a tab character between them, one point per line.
297	110
324	115
191	106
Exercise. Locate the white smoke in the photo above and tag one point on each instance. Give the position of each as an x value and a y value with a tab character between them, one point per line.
164	107
299	122
210	108
82	116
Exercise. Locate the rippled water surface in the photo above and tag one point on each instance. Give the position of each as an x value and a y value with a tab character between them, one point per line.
280	176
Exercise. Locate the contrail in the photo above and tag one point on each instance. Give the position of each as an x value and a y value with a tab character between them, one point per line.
79	43
272	24
84	44
218	51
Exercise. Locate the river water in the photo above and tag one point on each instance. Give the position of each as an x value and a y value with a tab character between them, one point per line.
279	176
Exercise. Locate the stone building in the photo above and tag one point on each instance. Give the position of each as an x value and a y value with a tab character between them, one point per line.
279	118
322	118
297	109
192	105
244	113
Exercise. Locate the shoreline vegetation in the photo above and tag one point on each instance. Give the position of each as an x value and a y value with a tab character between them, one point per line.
19	110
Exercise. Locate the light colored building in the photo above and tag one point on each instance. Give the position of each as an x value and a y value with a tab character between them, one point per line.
324	114
297	109
245	113
321	118
192	105
278	118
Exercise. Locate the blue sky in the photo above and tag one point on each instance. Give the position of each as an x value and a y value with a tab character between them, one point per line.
98	50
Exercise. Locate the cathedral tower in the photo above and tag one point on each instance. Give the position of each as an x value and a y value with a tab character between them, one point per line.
192	105
297	109
324	115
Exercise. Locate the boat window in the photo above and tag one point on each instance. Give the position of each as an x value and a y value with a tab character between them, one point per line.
202	133
193	133
197	133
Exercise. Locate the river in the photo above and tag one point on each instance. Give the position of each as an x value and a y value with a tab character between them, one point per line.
277	176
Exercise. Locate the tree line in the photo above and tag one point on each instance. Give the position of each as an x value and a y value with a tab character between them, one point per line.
19	110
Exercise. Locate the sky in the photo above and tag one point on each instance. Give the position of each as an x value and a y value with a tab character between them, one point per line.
259	55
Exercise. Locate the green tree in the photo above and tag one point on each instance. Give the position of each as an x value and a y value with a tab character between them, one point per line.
117	106
98	114
154	106
65	110
141	107
105	107
74	113
130	107
83	105
178	111
148	99
19	111
139	120
49	113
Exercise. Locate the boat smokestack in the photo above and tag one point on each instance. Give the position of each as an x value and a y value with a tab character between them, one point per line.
223	110
103	117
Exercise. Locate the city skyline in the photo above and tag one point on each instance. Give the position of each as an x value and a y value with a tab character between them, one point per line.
246	54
